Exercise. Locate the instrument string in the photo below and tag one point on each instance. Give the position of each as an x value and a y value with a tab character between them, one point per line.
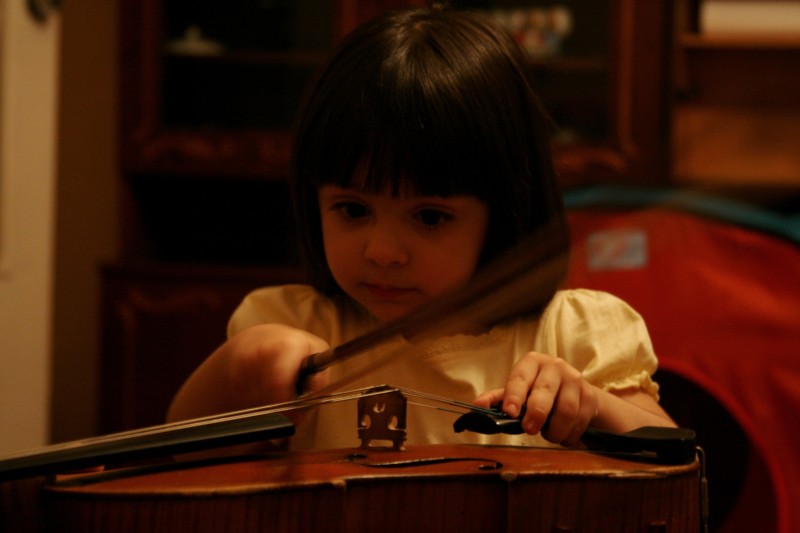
244	415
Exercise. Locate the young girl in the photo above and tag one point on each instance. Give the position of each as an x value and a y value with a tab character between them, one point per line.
421	155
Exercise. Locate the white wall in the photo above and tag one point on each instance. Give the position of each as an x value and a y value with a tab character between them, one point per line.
28	110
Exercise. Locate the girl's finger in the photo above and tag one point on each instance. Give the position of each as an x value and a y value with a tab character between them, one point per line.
566	411
542	398
588	410
519	383
489	398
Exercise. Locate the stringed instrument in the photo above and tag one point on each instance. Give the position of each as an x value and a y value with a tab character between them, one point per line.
647	480
425	488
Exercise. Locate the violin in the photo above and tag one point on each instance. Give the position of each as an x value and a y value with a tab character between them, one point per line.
648	480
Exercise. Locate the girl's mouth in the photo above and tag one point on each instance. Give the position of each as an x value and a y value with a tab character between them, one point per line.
387	292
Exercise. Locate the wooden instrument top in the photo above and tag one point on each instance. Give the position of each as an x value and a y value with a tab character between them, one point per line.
339	467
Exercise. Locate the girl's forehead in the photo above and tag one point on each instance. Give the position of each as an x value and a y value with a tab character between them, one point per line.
404	190
381	181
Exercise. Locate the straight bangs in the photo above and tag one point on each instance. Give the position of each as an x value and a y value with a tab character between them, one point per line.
391	149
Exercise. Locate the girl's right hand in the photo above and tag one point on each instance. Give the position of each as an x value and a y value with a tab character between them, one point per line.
258	366
264	363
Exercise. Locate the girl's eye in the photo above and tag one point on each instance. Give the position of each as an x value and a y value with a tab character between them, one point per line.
432	217
352	210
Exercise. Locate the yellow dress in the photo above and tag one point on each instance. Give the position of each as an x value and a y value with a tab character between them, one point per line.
595	332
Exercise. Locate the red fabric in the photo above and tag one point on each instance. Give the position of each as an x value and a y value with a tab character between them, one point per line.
722	304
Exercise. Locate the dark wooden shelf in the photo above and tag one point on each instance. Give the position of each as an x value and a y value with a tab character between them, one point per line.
254	57
572	64
743	41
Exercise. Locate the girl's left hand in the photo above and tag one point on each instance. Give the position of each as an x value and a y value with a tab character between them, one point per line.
552	392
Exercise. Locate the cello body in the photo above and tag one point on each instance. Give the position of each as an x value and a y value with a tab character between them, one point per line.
437	488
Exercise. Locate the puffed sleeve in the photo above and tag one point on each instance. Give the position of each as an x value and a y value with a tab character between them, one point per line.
602	336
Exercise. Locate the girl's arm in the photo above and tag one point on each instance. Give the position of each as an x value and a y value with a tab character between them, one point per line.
552	391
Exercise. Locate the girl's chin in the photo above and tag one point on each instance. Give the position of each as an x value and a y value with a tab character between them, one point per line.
385	313
385	318
390	307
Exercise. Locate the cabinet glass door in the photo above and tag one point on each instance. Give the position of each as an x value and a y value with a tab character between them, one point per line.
601	71
212	88
241	64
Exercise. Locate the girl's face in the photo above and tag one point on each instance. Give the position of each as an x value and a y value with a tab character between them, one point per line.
395	254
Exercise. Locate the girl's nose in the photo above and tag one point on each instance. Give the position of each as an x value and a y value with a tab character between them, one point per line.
385	248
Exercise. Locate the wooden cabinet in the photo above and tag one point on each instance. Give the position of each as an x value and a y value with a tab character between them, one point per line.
208	93
212	91
606	93
737	109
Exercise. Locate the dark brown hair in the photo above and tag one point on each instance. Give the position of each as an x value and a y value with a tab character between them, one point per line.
438	99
